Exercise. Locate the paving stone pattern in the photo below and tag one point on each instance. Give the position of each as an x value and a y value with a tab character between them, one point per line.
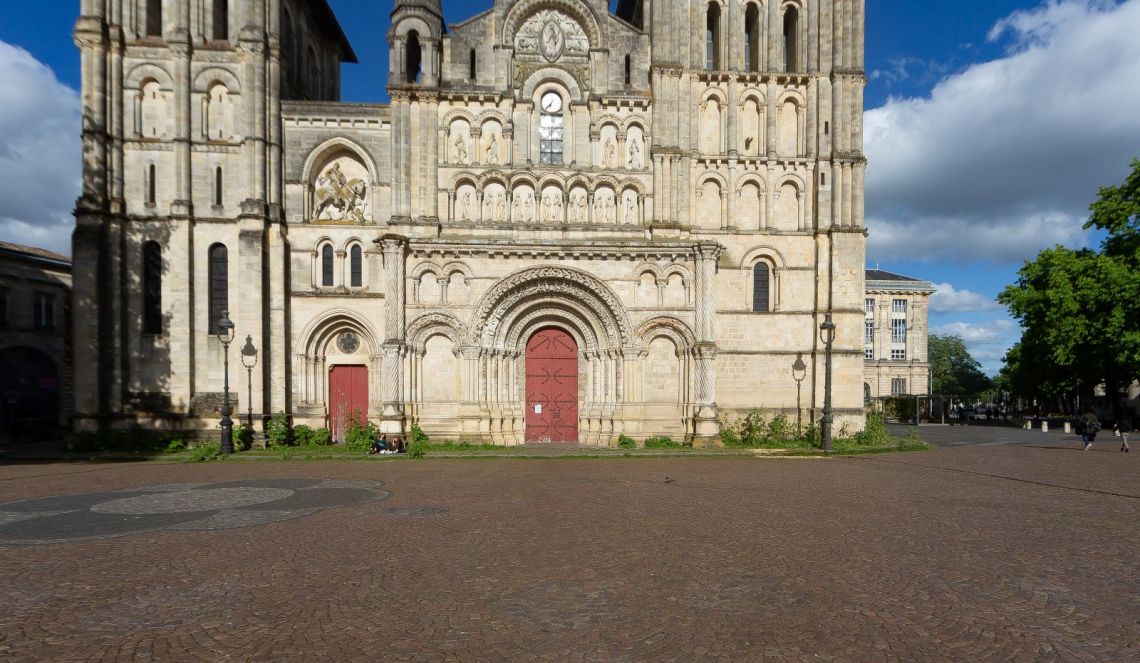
1009	552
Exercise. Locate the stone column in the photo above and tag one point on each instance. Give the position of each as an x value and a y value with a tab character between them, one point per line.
707	426
393	249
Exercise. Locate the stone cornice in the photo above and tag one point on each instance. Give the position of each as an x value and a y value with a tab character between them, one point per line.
593	250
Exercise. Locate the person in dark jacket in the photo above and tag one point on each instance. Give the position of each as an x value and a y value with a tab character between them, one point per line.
1091	425
1124	427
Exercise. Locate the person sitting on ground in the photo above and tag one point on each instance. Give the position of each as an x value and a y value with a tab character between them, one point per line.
378	444
400	445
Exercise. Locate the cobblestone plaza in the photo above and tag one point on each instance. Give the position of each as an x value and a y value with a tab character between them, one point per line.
1022	551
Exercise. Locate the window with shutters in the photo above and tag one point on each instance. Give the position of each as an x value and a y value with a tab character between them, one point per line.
219	284
152	288
761	290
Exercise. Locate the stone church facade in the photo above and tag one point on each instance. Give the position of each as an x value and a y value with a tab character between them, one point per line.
568	223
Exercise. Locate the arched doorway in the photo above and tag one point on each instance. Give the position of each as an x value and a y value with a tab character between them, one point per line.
551	387
29	394
348	399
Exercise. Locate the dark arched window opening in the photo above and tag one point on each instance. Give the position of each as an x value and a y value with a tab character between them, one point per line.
760	289
791	39
218	186
219	283
150	185
752	38
154	18
712	38
413	58
221	20
327	266
471	65
628	70
152	288
356	277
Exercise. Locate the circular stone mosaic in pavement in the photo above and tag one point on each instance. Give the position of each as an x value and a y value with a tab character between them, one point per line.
187	506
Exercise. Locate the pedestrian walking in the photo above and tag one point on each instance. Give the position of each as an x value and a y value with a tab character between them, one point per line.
1123	428
1090	429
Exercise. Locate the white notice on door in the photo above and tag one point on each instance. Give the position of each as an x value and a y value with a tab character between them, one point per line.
538	408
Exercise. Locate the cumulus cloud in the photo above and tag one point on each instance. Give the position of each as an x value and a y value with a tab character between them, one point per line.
980	333
1003	158
40	149
948	299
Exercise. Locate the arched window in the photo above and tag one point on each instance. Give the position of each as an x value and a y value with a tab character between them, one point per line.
471	65
761	299
413	57
152	288
219	284
550	129
712	37
752	38
221	18
327	266
628	70
218	186
150	185
154	18
355	267
791	39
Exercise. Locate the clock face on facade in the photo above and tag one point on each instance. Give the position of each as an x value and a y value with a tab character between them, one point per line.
551	102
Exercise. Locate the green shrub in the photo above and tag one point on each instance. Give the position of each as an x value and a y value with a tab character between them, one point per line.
305	436
358	437
626	442
417	435
662	442
177	444
277	431
874	433
204	452
416	450
134	440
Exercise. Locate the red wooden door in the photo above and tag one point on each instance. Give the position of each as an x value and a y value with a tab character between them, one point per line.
348	398
551	387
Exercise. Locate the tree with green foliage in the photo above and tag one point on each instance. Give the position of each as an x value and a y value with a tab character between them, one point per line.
1080	309
955	371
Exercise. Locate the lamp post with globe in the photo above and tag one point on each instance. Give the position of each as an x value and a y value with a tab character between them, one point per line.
799	372
225	334
249	360
827	336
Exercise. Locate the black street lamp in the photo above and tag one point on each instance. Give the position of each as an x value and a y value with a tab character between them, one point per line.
225	334
799	372
827	335
249	360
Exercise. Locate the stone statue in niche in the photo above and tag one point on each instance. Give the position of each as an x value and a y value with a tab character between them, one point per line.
340	192
528	207
557	208
608	151
630	210
465	206
580	215
491	150
633	162
461	154
501	206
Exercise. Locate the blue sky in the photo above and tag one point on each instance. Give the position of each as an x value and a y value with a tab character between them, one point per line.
990	124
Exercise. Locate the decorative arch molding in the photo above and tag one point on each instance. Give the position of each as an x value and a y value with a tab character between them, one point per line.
714	176
751	178
546	286
489	114
431	324
551	75
406	24
770	253
457	266
681	270
638	121
208	77
796	4
426	267
552	179
521	177
716	94
633	184
582	327
655	270
145	72
456	114
796	96
794	179
329	149
754	93
466	177
493	177
607	119
580	11
670	327
322	329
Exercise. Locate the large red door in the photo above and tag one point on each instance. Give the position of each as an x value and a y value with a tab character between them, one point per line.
348	398
551	387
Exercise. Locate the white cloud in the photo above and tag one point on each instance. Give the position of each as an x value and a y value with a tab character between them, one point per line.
987	340
40	151
1003	159
948	299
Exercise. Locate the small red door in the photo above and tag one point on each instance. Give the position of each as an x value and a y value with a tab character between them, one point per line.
348	398
551	387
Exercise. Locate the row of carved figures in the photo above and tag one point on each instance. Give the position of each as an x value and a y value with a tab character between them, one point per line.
461	152
526	208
